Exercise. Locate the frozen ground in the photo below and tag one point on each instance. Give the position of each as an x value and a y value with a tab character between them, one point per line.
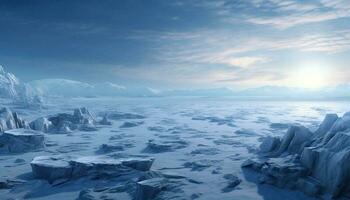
203	139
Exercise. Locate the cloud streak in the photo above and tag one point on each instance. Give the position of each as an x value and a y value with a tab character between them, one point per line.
280	14
233	58
226	48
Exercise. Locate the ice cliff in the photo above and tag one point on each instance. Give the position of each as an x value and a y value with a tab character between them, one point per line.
315	162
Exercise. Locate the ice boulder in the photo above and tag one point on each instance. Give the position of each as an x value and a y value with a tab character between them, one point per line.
63	123
80	116
52	168
41	124
21	140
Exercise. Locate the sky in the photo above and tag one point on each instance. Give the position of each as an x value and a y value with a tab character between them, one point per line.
179	43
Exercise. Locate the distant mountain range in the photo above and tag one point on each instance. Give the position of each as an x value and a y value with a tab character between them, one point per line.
63	87
12	87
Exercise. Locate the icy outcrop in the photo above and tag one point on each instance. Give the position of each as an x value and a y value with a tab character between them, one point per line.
41	124
52	168
314	162
296	138
62	123
330	163
10	120
269	144
21	140
12	88
326	125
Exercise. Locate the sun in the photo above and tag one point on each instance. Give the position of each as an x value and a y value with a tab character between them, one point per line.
311	75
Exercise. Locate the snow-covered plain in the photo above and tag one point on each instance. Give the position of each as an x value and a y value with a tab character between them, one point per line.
198	144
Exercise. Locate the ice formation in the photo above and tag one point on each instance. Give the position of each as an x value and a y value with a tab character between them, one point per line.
21	140
12	88
52	168
10	120
63	123
15	135
316	162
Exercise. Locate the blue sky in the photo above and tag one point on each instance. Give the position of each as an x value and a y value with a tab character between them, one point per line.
179	44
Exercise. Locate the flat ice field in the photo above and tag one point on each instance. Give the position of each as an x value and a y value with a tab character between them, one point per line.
153	148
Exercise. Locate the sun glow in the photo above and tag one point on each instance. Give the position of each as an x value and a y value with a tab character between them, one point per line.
311	75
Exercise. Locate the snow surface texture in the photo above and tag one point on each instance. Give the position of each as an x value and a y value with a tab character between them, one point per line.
172	152
12	88
316	162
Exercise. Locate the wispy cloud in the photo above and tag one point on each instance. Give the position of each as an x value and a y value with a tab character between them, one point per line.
220	47
281	14
231	58
243	61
